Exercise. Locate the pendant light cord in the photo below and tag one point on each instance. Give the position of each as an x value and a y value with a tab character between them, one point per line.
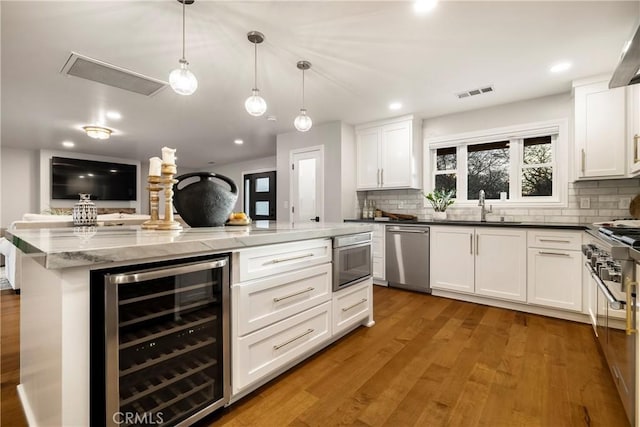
183	32
303	88
255	66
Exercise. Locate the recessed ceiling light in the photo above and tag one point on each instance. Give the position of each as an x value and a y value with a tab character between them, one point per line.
424	6
238	141
560	67
81	177
68	144
114	115
395	106
113	170
272	118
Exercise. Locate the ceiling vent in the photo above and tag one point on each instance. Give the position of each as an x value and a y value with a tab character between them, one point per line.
91	69
474	92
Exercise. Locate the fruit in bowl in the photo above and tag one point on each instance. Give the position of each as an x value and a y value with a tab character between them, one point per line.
238	218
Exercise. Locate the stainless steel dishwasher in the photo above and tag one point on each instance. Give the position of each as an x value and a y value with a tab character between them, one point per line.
407	257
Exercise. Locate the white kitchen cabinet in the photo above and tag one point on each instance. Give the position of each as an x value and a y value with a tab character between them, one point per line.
452	258
389	154
633	134
351	305
555	269
488	261
377	253
600	129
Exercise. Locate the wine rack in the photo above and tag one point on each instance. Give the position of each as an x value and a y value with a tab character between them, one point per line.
166	343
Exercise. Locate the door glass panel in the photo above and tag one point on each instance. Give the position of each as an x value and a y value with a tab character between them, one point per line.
262	185
262	208
307	187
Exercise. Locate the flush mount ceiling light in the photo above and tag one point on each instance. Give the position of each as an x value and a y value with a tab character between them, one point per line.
182	80
303	122
255	104
97	132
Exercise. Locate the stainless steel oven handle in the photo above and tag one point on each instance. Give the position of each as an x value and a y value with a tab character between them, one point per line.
630	308
302	335
354	305
122	279
279	260
613	302
304	291
359	245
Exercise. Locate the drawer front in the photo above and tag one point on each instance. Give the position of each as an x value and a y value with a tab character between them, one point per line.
569	240
351	305
263	261
261	302
262	352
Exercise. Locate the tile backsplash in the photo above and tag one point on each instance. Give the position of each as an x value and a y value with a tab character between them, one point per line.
607	200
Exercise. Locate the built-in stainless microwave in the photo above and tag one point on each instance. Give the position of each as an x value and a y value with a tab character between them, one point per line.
352	260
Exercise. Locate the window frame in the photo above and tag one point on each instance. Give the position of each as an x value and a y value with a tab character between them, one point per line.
558	130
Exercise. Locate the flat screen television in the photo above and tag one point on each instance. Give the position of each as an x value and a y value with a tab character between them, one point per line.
103	180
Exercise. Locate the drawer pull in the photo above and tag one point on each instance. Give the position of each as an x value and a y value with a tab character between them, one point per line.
302	335
278	260
552	253
555	240
304	291
354	305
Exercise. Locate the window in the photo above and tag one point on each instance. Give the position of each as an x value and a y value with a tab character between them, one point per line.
518	162
260	195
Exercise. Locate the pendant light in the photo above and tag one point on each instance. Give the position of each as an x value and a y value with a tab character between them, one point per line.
303	122
255	104
182	80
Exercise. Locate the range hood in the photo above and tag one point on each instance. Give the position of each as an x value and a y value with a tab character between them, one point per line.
626	72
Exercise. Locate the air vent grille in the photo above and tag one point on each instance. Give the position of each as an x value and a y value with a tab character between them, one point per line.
474	92
102	72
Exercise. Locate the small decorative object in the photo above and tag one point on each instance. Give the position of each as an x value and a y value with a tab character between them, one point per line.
168	171
205	203
238	218
154	203
440	200
85	211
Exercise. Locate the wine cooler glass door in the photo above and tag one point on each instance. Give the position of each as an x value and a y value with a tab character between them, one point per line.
167	343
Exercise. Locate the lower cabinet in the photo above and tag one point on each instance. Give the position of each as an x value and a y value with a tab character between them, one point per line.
377	251
555	269
270	348
351	305
488	261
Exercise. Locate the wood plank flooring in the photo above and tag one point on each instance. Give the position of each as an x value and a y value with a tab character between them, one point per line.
428	361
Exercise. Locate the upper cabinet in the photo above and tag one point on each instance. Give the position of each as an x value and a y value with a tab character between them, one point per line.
633	135
389	154
600	129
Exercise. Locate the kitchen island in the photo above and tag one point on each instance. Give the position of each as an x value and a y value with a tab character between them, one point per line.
55	323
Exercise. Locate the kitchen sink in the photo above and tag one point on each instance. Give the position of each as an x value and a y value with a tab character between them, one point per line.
478	222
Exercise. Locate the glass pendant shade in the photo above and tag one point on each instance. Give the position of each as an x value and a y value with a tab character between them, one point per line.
255	104
182	81
303	122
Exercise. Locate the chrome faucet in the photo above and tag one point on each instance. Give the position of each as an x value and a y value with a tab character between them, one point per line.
483	210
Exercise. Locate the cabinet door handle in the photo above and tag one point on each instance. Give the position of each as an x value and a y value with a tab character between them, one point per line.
381	177
378	177
354	305
302	335
477	245
583	160
629	307
278	260
555	240
636	159
471	243
553	253
304	291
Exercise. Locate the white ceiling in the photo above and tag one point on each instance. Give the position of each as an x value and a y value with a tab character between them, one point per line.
364	55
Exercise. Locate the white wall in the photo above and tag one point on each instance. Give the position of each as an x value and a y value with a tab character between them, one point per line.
235	171
348	176
20	184
329	135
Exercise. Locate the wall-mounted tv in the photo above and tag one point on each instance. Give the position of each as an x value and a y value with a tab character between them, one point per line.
103	180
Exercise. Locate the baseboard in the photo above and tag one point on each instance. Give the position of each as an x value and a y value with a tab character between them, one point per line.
26	407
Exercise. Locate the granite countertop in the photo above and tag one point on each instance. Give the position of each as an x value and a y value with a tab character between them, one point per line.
553	225
67	247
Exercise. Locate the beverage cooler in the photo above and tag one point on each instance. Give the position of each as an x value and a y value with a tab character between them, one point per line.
160	342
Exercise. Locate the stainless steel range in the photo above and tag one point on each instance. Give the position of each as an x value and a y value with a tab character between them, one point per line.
610	263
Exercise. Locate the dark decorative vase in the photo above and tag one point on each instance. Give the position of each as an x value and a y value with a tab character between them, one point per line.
204	203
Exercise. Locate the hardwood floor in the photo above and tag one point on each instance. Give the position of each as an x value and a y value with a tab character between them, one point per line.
428	361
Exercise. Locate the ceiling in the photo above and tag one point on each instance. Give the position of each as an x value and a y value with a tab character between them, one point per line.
364	55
